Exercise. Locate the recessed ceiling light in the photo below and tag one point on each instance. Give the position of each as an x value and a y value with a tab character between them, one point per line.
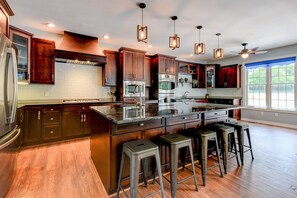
149	46
51	25
191	54
106	36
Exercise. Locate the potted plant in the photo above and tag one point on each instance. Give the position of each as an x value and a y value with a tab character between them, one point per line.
186	80
181	81
195	83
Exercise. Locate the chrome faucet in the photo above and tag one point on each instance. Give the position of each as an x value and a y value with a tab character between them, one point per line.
185	94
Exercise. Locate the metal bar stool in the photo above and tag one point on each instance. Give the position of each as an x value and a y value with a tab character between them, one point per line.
176	142
223	133
202	137
241	127
136	151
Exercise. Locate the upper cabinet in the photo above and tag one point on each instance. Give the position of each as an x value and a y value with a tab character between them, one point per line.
211	75
147	71
5	13
22	40
229	76
109	74
132	64
42	61
165	64
196	70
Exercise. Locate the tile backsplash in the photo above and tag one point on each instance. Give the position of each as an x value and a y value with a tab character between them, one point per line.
71	81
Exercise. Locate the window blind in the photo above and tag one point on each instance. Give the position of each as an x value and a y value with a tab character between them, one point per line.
270	63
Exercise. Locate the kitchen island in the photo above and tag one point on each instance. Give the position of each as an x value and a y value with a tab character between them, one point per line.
111	126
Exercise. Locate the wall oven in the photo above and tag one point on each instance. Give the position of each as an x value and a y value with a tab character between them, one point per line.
166	84
134	89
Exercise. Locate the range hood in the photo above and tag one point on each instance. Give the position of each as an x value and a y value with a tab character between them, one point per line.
79	49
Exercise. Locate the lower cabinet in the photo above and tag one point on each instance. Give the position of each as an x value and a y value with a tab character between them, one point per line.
76	120
32	129
232	113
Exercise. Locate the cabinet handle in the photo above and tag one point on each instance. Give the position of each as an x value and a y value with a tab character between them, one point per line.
141	124
81	118
85	118
39	115
185	118
21	117
83	108
52	109
52	118
53	77
51	132
216	113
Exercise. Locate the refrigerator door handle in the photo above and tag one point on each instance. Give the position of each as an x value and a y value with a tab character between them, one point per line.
15	81
9	139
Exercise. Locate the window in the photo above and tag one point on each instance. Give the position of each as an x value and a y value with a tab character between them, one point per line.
271	84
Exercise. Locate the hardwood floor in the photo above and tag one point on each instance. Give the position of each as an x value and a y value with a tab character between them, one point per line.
66	170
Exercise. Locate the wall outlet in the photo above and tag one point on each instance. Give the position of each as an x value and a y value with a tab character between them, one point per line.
262	113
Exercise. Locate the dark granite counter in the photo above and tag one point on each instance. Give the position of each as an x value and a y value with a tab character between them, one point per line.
120	114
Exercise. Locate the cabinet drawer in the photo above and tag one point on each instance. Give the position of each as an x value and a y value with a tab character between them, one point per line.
182	119
51	118
75	107
51	109
51	132
136	126
215	114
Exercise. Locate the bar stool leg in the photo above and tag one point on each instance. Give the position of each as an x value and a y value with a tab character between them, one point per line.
120	173
158	163
218	156
173	171
204	146
240	143
250	142
134	175
236	153
193	166
145	170
225	150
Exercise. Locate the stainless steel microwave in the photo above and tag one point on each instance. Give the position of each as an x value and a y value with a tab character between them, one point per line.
134	89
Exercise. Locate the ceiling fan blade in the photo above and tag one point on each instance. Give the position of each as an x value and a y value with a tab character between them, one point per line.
254	49
233	52
261	52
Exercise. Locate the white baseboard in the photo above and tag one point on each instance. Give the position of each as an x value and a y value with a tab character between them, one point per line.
291	126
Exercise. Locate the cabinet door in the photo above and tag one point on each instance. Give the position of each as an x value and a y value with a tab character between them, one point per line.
128	66
147	71
43	63
170	66
162	64
32	133
110	69
224	78
201	76
138	66
4	19
72	123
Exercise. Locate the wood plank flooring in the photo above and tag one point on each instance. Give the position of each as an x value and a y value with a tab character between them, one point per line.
66	170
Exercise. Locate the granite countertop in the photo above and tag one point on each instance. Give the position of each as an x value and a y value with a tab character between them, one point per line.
22	103
210	97
121	114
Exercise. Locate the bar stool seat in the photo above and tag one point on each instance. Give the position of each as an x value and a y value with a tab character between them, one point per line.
136	151
240	128
176	142
223	132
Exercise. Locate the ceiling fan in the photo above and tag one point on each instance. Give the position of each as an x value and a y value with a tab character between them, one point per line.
246	52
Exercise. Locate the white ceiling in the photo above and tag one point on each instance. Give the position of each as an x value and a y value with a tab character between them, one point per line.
261	23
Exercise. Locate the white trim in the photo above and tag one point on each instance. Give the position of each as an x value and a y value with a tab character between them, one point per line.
291	126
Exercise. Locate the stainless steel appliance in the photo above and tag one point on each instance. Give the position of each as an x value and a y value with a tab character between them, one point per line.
9	132
134	89
166	88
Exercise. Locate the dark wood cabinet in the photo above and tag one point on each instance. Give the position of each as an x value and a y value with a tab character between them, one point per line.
22	40
132	64
165	64
147	71
229	76
5	13
76	120
51	123
109	74
21	124
32	129
42	61
197	71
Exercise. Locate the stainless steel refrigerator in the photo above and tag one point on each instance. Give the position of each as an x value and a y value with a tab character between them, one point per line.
9	131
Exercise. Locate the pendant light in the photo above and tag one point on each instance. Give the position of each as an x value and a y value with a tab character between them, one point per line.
142	30
199	48
218	52
174	41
